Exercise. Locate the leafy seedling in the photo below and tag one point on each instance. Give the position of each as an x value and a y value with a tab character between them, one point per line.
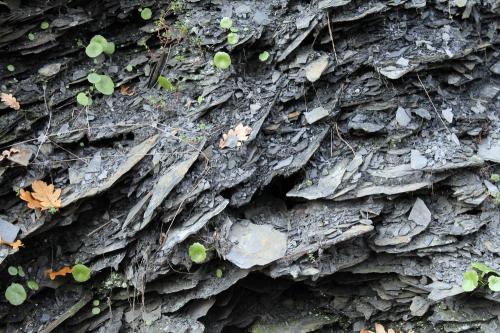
105	85
264	56
232	38
495	177
31	36
15	294
146	13
222	60
12	270
44	25
98	45
129	68
83	99
226	23
470	280
81	273
165	83
20	271
218	273
197	253
96	302
11	68
494	283
96	311
93	78
33	285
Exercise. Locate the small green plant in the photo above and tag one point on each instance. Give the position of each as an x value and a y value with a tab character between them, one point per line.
165	83
479	275
129	68
15	294
81	273
44	25
226	23
146	13
83	99
264	56
177	6
200	99
33	285
197	253
96	310
20	271
218	273
222	60
495	177
31	36
232	38
98	45
12	270
11	68
103	83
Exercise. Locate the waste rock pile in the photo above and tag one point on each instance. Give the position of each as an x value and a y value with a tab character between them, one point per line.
250	166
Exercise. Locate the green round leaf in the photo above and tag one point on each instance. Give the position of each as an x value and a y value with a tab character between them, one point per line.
129	68
96	302
83	99
12	270
20	271
146	13
232	38
470	280
31	36
93	78
226	23
96	310
222	60
264	56
165	83
93	50
197	253
44	25
99	40
105	85
33	285
81	273
494	283
109	48
11	68
218	273
495	177
15	294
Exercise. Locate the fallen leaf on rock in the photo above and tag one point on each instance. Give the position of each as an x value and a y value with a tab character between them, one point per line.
8	153
235	137
379	328
44	196
126	91
15	245
62	272
10	101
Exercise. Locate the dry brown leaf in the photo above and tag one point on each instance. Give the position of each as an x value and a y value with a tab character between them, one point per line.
10	101
15	245
235	137
62	272
390	330
48	196
379	328
126	91
43	196
32	203
365	331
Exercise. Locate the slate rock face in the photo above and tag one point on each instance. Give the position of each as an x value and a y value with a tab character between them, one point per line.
364	188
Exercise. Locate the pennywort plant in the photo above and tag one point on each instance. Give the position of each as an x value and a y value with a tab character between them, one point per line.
99	45
197	253
222	60
481	275
15	293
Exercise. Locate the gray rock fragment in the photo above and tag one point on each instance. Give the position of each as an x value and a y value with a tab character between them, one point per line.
316	114
417	160
255	244
316	68
420	214
8	231
402	117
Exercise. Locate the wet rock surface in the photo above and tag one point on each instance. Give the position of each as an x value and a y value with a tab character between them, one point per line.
362	193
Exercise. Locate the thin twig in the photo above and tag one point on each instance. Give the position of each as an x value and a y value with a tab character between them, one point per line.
331	37
344	141
430	100
50	119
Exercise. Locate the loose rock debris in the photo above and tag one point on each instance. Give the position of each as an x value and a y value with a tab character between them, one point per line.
352	187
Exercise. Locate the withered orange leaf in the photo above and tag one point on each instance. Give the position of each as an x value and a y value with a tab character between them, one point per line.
62	272
10	101
235	137
15	245
32	203
126	91
46	195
